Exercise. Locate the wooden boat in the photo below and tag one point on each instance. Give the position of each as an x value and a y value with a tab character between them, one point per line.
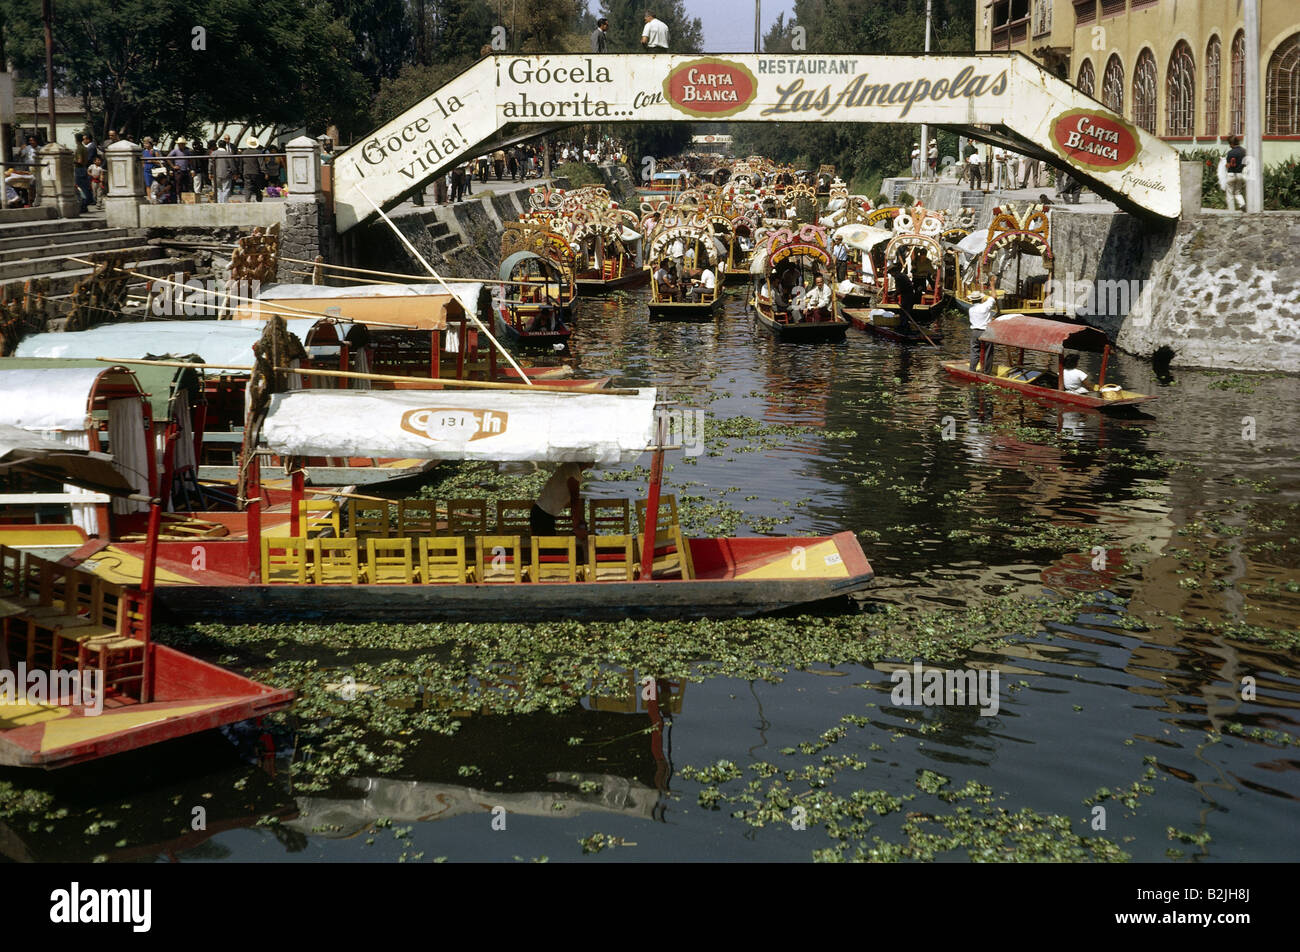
891	326
651	570
1012	261
607	244
529	309
916	244
80	675
1019	333
700	251
826	177
741	242
865	270
804	254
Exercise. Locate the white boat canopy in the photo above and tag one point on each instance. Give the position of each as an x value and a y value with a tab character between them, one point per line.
973	244
492	426
215	342
54	399
863	237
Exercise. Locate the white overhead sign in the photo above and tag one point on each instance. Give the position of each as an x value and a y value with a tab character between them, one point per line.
954	90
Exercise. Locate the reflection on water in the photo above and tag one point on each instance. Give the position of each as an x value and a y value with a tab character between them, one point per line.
1183	530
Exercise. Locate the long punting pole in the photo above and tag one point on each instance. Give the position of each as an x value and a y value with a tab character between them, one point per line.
438	381
437	277
148	578
652	501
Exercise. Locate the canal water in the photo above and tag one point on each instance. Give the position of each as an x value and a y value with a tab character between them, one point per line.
1132	583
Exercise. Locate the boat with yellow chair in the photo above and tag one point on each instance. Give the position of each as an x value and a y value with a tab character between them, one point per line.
461	559
80	674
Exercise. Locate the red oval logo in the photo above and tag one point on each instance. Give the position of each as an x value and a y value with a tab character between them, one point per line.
1095	140
710	87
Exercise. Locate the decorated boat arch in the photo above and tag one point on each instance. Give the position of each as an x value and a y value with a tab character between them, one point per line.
1004	99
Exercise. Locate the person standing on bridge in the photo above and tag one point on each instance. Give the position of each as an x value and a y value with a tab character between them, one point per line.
599	39
1234	169
654	37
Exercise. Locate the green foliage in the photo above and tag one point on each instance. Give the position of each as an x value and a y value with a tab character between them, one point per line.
579	174
1282	185
136	66
1281	181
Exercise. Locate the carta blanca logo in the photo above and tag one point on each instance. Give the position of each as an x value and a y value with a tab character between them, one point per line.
77	905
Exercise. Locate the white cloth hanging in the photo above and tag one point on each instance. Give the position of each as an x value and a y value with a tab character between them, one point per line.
360	364
127	442
84	515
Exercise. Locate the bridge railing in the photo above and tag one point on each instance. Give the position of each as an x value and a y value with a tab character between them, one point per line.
127	204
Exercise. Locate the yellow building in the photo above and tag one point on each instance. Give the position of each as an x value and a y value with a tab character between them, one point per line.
1175	67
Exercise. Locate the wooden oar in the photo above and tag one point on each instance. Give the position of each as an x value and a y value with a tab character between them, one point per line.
918	329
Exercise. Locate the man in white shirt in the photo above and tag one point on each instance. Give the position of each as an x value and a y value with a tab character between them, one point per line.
982	309
655	35
677	251
562	490
702	288
817	302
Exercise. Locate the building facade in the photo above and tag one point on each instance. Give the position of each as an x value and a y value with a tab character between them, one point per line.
1177	68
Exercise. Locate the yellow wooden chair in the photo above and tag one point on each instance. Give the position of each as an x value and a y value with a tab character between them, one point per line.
497	559
609	516
442	560
514	517
285	561
667	512
672	553
318	514
555	559
336	561
417	517
611	558
367	518
467	517
390	561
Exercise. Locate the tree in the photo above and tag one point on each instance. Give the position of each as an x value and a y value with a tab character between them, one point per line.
146	68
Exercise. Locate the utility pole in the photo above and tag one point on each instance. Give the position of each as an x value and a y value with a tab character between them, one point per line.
925	130
47	12
1254	143
758	25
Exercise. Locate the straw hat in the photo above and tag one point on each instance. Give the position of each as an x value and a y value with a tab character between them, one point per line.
252	143
977	295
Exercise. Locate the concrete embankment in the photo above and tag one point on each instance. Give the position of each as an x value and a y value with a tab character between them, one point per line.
1212	290
461	240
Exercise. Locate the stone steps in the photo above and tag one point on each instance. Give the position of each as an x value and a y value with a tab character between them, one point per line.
63	282
89	231
87	247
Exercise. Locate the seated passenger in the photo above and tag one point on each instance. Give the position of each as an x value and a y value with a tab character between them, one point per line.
817	303
1074	379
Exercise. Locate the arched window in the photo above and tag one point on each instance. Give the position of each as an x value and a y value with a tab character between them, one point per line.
1237	104
1112	85
1213	86
1180	92
1282	114
1144	90
1087	82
